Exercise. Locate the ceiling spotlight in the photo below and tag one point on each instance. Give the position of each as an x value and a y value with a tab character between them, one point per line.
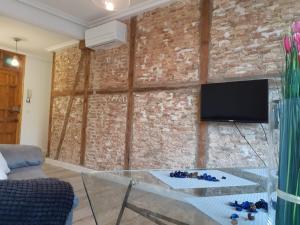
109	5
112	5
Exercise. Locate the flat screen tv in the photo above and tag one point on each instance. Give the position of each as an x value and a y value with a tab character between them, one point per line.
240	101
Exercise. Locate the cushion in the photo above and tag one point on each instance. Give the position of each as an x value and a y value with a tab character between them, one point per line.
18	156
3	175
3	165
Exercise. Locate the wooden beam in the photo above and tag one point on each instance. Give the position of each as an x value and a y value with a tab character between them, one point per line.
205	28
20	90
135	89
206	8
87	72
67	93
82	45
51	105
69	107
130	98
167	87
80	93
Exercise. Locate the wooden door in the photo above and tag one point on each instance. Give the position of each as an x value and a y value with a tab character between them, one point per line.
11	88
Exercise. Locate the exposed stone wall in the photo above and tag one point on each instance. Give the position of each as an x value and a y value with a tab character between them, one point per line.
246	37
167	52
106	131
245	43
164	122
110	68
165	129
66	66
70	150
168	45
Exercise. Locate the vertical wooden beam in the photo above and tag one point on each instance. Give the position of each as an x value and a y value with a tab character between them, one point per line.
51	105
20	95
130	98
206	9
69	107
87	72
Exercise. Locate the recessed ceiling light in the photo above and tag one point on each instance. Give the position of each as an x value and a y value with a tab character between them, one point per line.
112	5
109	5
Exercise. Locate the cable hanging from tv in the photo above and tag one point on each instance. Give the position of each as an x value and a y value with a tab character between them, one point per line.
262	127
240	132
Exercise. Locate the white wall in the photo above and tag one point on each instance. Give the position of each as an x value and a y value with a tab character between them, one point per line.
35	115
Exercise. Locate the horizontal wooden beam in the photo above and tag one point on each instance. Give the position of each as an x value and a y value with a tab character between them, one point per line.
167	88
90	92
135	89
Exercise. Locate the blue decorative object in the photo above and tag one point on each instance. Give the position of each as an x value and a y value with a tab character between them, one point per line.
262	204
234	216
179	174
249	206
223	178
200	177
238	208
246	205
205	176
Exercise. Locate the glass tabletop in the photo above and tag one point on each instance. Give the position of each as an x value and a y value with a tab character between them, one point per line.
151	197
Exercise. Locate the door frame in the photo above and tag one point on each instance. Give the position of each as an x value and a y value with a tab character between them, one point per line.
21	72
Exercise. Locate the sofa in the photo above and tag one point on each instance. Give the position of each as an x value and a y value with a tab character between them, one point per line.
25	162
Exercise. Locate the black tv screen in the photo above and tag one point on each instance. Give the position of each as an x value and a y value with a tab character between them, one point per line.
241	101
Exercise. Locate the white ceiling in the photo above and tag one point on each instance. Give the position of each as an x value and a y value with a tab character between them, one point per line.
52	24
89	13
84	11
35	40
78	11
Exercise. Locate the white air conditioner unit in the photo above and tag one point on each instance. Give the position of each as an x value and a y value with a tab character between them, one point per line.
109	35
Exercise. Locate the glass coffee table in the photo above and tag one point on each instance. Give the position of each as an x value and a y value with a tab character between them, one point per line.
150	197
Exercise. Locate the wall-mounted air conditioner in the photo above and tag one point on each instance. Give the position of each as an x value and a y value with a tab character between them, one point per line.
109	35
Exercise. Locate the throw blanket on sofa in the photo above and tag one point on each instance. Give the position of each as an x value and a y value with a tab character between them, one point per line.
35	202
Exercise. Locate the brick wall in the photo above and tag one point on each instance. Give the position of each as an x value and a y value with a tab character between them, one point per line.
246	37
164	122
165	129
67	62
168	45
106	131
245	43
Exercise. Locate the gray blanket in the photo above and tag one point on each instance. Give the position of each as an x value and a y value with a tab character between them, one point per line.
35	202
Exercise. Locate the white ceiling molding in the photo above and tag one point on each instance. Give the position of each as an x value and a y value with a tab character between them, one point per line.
17	10
131	11
62	46
54	11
